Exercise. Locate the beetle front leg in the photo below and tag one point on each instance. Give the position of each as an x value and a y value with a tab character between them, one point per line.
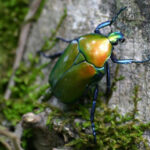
102	25
126	61
108	23
93	112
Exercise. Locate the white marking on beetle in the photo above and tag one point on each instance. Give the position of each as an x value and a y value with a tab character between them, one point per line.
74	41
66	58
82	38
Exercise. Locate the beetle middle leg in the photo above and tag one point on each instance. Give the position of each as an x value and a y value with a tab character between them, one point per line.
53	56
93	112
126	61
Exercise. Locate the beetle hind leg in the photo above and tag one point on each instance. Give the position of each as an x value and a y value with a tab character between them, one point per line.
64	40
53	56
93	112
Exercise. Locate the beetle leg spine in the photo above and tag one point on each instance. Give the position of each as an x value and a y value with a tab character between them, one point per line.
126	61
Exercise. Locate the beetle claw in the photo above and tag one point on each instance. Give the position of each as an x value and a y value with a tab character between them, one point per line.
122	40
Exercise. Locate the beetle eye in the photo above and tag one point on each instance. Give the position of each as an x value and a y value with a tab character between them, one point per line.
122	40
115	37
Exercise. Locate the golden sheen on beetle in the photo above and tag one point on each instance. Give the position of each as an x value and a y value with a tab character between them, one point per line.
96	48
83	63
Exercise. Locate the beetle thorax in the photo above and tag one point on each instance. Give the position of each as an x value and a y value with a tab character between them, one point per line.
96	49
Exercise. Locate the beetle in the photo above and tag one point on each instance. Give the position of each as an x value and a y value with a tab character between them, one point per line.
84	62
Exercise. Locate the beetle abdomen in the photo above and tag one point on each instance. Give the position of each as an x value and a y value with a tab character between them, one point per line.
74	81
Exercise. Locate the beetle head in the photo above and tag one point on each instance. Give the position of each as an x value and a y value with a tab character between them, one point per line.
115	37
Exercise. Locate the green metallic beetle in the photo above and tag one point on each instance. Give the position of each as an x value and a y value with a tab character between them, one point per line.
83	62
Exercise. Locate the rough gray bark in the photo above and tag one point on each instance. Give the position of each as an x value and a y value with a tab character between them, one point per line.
83	17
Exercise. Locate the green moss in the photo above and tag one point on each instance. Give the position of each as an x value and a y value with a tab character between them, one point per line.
2	147
38	12
135	100
27	90
51	41
25	93
26	138
12	14
114	131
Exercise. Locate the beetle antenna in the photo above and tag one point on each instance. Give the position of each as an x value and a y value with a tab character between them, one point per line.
116	16
108	23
